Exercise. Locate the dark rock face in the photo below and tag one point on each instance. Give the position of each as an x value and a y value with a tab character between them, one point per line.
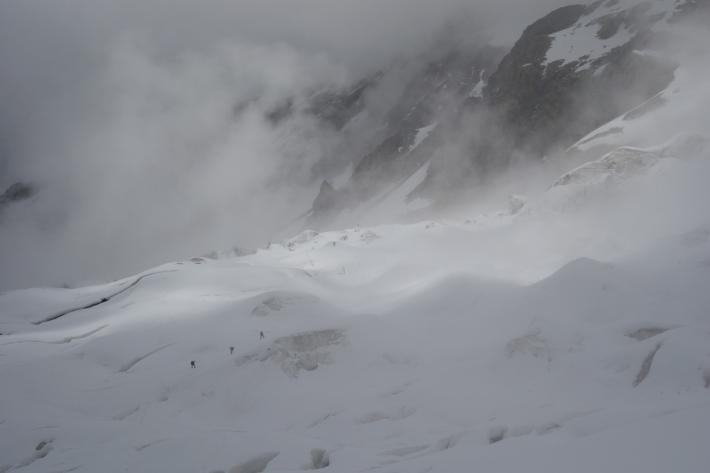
281	112
440	93
338	108
529	96
430	102
17	192
553	104
327	198
569	73
332	107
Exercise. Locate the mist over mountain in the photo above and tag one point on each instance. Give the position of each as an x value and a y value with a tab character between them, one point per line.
148	136
155	117
475	113
391	236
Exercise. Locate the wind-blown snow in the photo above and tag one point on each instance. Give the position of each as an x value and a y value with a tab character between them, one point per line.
573	335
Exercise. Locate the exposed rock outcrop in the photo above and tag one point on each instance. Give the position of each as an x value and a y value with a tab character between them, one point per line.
17	192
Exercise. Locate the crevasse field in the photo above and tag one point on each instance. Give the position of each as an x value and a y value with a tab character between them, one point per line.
570	332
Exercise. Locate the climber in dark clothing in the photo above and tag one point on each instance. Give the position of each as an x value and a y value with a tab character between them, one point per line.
193	364
231	350
261	335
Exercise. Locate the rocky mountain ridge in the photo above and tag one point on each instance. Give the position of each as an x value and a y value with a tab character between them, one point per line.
570	72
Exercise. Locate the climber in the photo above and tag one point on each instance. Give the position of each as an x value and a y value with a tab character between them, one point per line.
231	350
193	364
261	335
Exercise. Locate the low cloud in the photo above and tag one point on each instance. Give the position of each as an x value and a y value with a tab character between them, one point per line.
143	122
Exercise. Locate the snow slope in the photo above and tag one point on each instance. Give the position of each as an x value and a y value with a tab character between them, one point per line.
571	336
679	109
